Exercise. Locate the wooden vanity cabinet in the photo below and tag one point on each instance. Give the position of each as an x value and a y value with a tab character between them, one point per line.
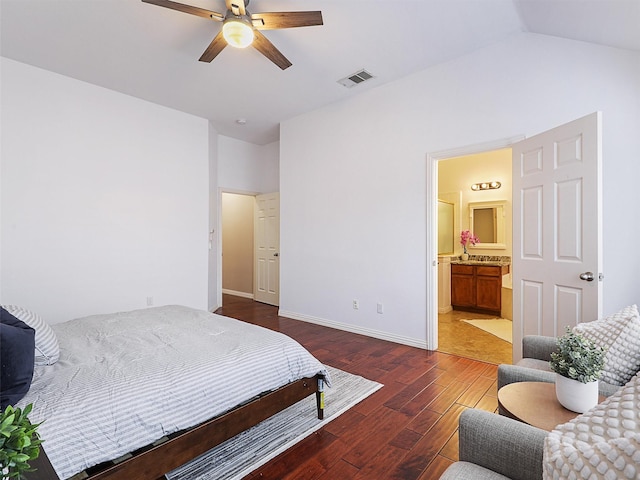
477	288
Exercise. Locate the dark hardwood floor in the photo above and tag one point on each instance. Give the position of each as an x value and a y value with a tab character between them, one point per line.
406	430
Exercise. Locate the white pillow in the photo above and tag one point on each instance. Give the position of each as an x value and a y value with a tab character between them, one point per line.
47	349
620	335
602	443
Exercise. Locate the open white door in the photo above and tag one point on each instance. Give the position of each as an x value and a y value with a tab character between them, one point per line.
267	249
557	230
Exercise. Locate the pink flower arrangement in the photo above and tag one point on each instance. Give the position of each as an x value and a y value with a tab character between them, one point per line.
467	238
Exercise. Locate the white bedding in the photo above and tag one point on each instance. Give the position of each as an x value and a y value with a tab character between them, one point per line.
127	379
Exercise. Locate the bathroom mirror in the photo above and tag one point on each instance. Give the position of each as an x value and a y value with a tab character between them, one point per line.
445	228
486	221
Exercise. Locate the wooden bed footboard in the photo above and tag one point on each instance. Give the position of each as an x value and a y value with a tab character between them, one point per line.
152	462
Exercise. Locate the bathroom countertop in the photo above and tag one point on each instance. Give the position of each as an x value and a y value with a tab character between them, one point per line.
490	261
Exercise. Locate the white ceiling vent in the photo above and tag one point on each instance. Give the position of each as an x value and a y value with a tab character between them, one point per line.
355	79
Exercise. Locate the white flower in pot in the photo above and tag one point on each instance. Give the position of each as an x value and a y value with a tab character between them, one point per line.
578	364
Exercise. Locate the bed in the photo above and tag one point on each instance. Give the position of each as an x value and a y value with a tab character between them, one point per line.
157	387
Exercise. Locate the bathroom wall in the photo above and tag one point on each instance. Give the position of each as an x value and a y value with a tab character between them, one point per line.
455	177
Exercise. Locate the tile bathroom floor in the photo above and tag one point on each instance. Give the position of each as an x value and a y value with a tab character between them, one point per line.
460	338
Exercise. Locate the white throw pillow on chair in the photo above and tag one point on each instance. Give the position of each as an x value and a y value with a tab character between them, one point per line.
620	335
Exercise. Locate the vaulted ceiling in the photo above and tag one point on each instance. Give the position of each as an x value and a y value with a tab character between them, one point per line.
152	52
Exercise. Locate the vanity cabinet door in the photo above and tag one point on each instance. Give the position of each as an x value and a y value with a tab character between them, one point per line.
463	286
489	292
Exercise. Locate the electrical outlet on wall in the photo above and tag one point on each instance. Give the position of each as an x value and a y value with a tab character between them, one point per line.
356	304
149	301
380	307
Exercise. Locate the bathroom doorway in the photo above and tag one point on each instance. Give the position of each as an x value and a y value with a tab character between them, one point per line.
468	182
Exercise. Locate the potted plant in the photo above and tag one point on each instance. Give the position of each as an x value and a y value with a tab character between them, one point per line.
19	442
578	364
467	238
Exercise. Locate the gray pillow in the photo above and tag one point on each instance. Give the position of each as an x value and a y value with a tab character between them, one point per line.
47	349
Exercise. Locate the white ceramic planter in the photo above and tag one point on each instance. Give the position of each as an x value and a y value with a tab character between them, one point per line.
576	396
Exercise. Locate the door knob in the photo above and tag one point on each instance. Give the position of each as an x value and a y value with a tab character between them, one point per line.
588	276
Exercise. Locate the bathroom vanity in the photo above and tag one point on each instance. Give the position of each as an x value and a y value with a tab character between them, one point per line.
476	286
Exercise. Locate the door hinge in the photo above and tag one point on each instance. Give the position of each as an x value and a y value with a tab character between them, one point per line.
600	277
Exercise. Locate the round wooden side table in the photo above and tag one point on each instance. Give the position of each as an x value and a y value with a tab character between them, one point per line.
535	403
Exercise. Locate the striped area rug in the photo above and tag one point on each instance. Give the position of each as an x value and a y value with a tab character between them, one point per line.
240	455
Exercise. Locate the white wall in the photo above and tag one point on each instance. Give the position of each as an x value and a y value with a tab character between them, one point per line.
104	198
353	174
245	167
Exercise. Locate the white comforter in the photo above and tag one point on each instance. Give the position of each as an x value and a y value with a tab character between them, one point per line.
127	379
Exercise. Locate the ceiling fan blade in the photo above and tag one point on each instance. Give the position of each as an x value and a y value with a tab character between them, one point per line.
181	7
268	49
276	20
214	48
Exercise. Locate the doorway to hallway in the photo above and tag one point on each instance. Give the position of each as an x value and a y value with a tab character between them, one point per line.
237	212
250	246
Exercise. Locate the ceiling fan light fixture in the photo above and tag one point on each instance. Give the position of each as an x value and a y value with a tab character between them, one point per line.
238	32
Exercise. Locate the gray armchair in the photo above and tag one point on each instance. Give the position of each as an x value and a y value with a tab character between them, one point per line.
534	366
493	447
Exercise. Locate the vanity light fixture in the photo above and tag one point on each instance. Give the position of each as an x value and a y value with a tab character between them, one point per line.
485	186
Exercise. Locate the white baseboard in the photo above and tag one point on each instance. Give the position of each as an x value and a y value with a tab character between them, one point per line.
412	342
238	294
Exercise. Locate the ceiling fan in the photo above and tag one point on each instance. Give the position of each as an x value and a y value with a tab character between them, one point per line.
241	28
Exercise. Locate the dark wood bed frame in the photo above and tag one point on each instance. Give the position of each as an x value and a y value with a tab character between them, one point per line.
153	461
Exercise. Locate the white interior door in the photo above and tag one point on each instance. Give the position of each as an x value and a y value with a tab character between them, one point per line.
557	230
267	249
